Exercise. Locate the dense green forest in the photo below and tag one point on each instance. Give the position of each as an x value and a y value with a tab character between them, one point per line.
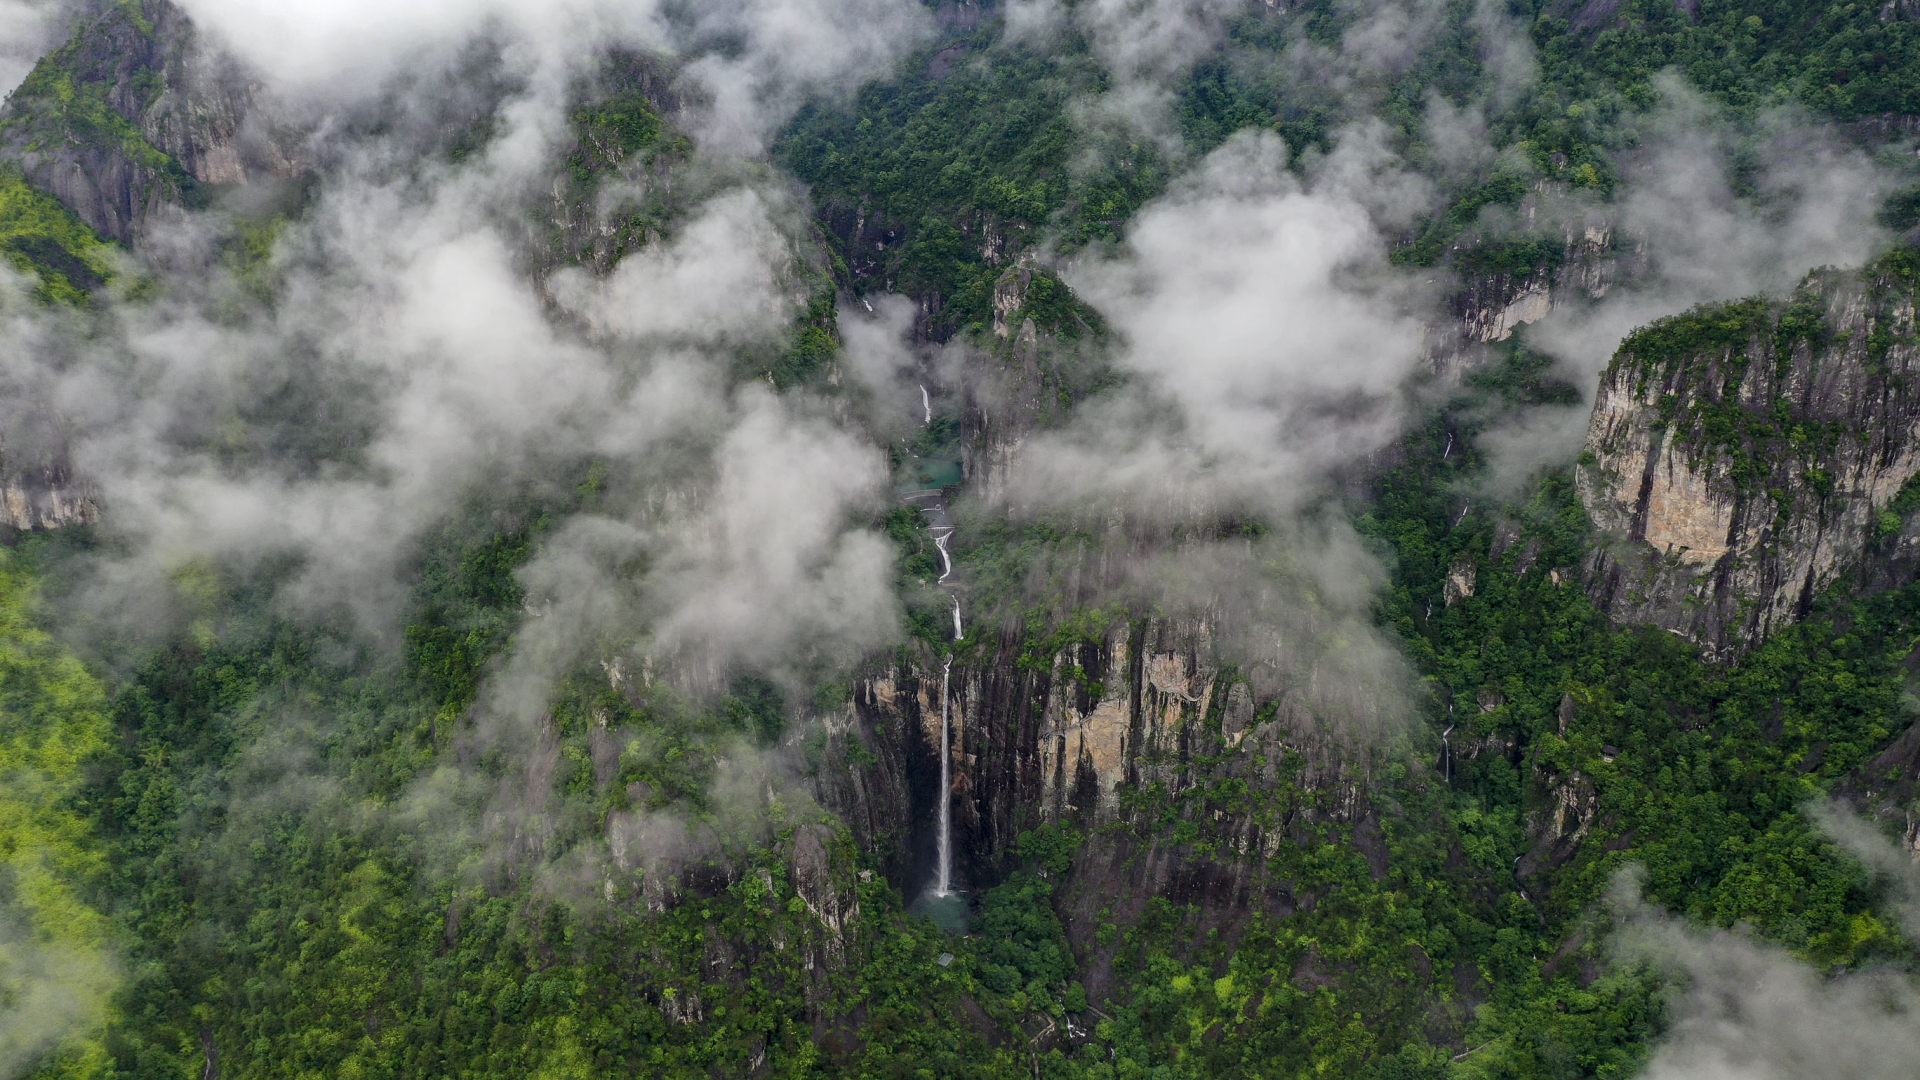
251	840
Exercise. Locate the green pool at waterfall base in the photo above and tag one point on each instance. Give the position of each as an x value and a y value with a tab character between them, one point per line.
948	912
925	474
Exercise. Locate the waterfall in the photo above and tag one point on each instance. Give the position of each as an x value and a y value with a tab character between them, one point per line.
943	884
940	527
1446	755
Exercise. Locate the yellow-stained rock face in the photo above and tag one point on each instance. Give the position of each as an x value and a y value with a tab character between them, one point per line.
1099	740
1739	463
1533	304
1098	743
50	506
1143	706
1462	578
1489	306
1684	517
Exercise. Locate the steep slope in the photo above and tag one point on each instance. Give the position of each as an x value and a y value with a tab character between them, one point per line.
65	262
134	115
1510	278
1741	457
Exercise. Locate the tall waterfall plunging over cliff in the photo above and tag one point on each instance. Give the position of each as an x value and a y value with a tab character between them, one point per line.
932	506
943	880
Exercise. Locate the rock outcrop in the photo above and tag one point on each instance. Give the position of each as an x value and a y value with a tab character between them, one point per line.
43	498
39	487
1145	705
135	115
1743	456
1504	285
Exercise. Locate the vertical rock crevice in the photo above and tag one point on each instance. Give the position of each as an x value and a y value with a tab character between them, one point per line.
1743	456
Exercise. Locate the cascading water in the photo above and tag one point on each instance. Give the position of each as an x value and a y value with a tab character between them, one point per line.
941	903
943	888
944	879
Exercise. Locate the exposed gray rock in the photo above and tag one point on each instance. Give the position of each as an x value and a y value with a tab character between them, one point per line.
43	495
135	116
1742	457
1488	305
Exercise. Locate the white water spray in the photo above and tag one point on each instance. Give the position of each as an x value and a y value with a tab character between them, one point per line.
944	886
942	533
943	883
946	561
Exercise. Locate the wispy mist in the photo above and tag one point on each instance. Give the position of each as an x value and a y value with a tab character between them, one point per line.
1265	345
400	351
1147	47
28	30
1752	1011
1266	336
1707	209
746	64
50	991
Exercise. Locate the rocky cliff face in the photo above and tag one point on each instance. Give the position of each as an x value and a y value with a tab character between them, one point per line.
1499	292
38	486
1008	402
42	495
1110	731
1741	457
133	115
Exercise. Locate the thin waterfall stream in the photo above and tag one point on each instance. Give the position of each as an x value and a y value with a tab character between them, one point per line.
944	887
931	504
943	880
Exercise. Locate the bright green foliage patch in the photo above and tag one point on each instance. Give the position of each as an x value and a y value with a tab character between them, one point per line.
82	108
57	968
43	238
610	131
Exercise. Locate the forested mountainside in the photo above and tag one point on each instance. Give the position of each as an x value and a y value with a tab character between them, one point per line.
882	538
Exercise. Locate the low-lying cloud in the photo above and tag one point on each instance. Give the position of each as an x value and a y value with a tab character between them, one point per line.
1266	338
28	30
50	990
1264	345
746	65
1753	1011
1707	210
400	356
